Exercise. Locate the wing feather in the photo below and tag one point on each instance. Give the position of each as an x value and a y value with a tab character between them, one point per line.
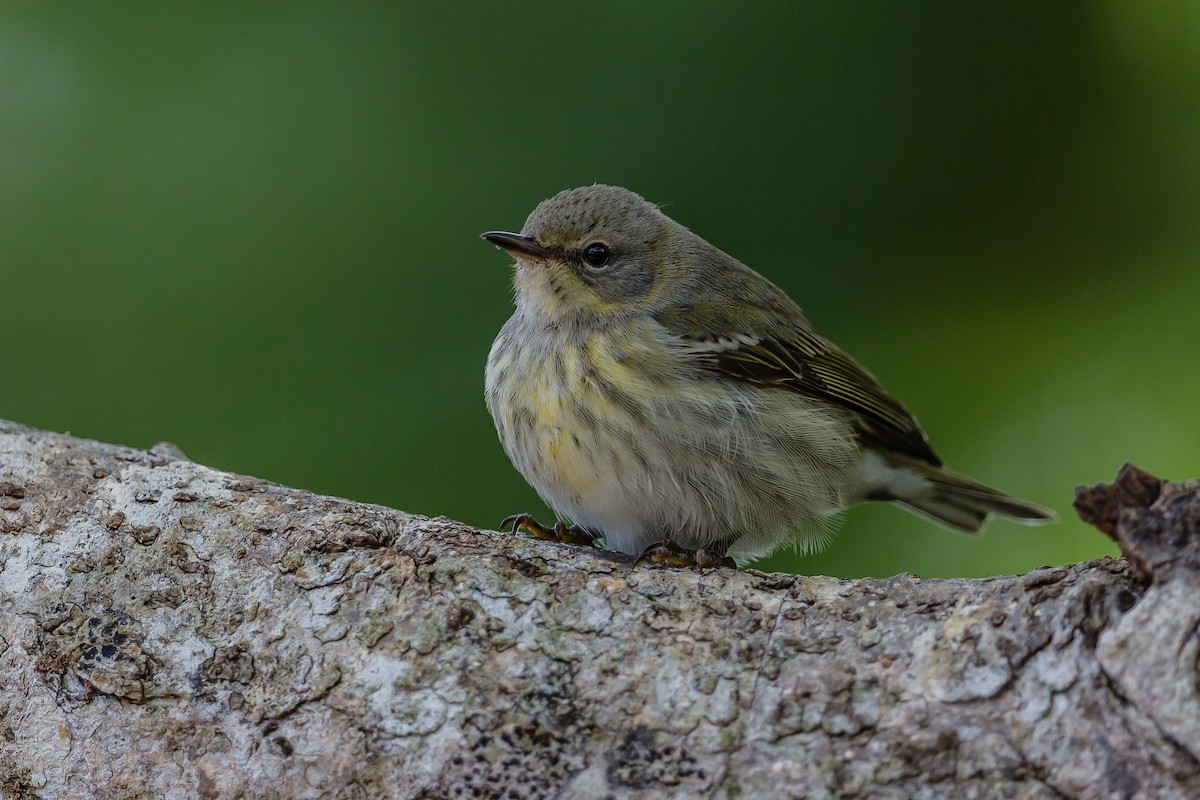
800	360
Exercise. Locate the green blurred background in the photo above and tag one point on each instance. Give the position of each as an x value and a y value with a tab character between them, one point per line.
253	229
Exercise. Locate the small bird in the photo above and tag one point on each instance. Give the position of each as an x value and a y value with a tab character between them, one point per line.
673	403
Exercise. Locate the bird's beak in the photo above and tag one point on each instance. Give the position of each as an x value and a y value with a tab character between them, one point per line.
518	244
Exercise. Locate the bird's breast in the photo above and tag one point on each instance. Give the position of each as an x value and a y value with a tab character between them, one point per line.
568	411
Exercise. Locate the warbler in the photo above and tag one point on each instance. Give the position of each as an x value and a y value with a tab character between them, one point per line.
671	402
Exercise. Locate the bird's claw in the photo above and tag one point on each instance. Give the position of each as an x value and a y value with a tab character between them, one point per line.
667	552
560	532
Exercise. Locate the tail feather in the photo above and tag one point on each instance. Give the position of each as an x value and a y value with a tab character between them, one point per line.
951	499
944	511
965	504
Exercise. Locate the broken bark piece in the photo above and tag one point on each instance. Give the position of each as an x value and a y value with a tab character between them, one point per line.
1155	522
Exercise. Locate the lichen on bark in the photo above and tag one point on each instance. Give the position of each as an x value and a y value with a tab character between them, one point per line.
170	630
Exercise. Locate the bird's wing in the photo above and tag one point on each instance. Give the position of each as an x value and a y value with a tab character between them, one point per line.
799	360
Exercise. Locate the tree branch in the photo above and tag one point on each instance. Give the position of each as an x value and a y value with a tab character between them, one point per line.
170	630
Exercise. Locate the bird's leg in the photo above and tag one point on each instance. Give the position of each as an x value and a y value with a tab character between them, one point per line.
558	533
668	552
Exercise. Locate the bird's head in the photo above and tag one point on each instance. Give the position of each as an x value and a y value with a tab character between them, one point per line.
596	251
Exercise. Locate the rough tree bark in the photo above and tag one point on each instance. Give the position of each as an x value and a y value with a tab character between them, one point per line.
168	630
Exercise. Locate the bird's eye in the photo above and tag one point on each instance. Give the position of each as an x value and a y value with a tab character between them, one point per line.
596	255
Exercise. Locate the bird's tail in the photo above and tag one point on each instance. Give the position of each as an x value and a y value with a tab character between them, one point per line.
964	504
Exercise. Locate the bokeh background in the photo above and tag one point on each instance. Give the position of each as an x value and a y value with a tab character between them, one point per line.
253	229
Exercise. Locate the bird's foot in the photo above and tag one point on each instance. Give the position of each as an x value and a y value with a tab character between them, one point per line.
667	552
558	533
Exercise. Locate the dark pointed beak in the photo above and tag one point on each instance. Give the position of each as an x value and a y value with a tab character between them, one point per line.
518	244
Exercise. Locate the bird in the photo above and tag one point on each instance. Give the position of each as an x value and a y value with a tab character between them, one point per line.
667	401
